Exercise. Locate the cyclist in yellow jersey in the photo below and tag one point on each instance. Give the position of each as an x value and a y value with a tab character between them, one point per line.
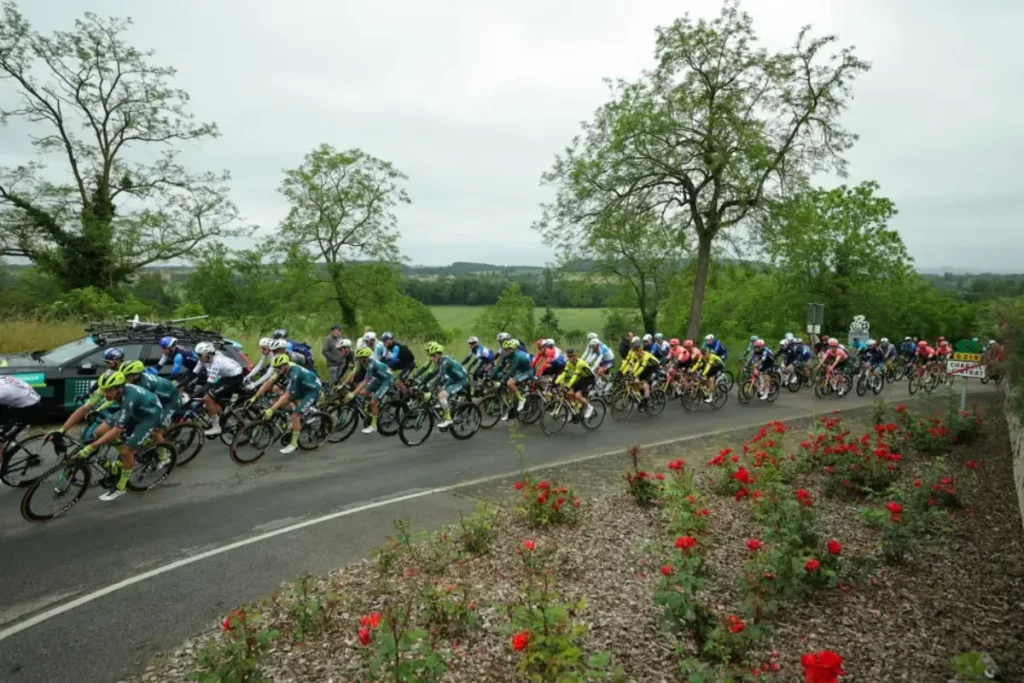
708	367
578	378
642	365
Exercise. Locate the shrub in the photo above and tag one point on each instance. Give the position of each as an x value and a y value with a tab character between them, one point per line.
475	533
240	658
396	651
684	505
450	610
543	503
644	487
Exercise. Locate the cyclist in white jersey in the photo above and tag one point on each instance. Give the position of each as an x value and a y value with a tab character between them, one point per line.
16	398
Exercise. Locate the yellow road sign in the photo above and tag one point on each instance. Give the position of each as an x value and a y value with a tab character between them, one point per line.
969	357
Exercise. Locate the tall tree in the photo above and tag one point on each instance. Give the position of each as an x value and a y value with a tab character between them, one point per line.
342	207
100	106
718	129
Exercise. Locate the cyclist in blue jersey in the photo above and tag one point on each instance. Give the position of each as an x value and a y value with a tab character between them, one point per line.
797	352
302	393
598	356
183	359
480	359
454	378
513	368
888	350
140	414
908	348
716	347
377	382
764	360
873	356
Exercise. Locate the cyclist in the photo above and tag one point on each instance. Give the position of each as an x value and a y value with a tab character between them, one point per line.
140	414
376	383
265	359
796	352
943	349
344	347
857	346
578	379
716	347
399	358
835	352
707	366
745	358
888	350
180	357
303	391
112	359
16	399
480	359
454	376
170	399
302	348
550	360
873	356
764	360
643	364
224	377
662	344
598	356
925	354
371	342
505	336
511	369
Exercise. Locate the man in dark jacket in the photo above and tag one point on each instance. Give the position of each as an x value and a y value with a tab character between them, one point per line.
335	361
624	344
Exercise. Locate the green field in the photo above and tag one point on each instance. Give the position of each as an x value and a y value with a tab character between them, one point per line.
463	317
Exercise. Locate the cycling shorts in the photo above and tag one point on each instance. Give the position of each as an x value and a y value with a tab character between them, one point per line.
172	407
524	376
379	387
647	373
767	364
306	401
606	363
137	431
584	384
552	369
453	387
226	387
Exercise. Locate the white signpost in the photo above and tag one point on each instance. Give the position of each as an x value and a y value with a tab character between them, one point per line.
968	366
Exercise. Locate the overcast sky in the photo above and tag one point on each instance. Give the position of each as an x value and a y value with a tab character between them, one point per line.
472	99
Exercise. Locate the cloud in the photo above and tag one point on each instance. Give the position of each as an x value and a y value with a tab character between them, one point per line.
474	99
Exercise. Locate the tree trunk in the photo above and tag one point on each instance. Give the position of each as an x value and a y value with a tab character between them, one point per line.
345	303
700	283
650	320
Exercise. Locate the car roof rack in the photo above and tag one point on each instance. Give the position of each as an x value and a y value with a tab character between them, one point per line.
104	333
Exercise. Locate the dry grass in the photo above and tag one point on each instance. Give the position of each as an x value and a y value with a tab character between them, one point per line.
23	335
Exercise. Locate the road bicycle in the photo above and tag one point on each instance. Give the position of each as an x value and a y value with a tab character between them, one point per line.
695	393
831	382
924	377
794	377
869	378
418	422
347	415
24	459
58	489
630	397
252	440
561	409
751	386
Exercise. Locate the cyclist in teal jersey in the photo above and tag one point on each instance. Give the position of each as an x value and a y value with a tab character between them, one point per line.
170	399
514	367
303	391
454	376
140	414
377	383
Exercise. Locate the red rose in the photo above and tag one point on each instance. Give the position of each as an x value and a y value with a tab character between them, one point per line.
520	641
364	636
812	565
686	542
900	408
835	547
519	485
893	508
971	465
703	512
742	475
917	483
753	544
667	570
659	476
735	624
741	494
529	545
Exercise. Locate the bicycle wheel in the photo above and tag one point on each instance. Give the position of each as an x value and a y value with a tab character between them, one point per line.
252	441
730	380
822	388
345	419
690	398
929	384
316	428
773	388
188	440
719	397
554	417
532	409
622	405
656	403
913	385
842	385
491	410
877	385
389	416
56	491
29	459
793	382
466	419
596	419
230	420
746	392
416	426
148	472
862	385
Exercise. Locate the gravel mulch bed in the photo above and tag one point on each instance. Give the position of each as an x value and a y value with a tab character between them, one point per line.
964	591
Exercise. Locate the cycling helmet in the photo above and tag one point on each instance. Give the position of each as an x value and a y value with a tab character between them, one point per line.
759	343
116	353
205	348
343	344
132	367
906	339
472	340
647	338
510	344
789	336
549	342
595	342
111	381
885	340
504	336
387	336
265	342
591	336
753	338
278	345
167	342
688	344
782	344
434	348
871	342
922	344
370	337
833	342
974	339
659	336
571	351
280	333
540	343
636	343
282	360
991	342
364	352
673	342
711	338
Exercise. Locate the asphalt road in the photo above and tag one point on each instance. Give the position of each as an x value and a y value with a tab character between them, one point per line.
213	503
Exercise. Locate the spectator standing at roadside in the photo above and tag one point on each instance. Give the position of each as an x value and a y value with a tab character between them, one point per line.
624	344
331	353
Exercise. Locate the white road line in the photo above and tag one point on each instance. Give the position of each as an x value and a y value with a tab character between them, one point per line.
145	576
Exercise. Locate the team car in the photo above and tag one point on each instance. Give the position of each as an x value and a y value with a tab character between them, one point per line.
61	375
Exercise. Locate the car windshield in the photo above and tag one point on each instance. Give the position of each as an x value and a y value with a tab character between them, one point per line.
68	352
